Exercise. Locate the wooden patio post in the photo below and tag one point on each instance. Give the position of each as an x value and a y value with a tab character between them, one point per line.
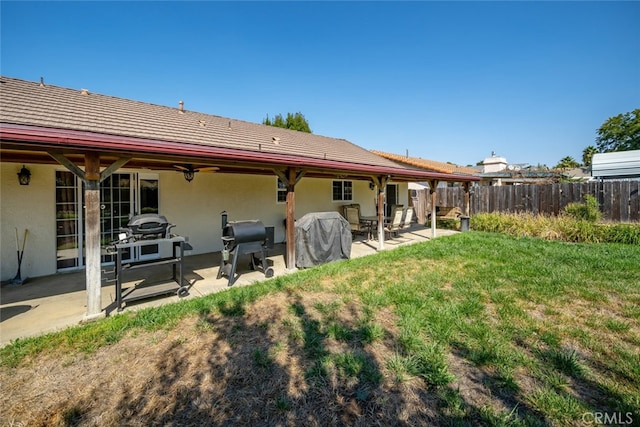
433	185
91	177
381	182
467	209
290	178
92	233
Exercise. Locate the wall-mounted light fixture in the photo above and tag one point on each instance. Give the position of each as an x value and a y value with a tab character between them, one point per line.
371	186
24	176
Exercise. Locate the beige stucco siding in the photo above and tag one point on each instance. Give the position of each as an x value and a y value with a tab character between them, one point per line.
194	207
27	206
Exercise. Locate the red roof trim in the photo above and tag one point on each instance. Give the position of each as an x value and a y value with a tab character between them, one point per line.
50	137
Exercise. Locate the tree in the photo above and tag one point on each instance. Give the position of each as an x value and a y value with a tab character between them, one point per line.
587	155
567	162
293	121
620	133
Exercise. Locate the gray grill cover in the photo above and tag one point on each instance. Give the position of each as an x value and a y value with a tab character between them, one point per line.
322	237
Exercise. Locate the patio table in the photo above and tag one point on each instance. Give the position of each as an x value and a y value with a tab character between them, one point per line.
373	223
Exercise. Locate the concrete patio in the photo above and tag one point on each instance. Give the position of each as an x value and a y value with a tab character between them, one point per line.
50	303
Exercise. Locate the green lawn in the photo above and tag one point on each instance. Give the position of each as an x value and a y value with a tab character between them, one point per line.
472	329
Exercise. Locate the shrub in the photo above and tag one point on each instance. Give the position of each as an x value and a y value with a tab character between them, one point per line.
587	211
446	224
565	228
578	230
621	233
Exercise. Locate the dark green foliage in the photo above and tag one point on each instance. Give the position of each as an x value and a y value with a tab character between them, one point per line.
262	358
430	363
295	121
566	361
621	233
567	162
620	133
283	403
587	155
587	211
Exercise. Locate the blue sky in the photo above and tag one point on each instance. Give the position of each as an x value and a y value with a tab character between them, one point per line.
447	81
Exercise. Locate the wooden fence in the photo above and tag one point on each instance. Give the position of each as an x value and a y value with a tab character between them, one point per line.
619	200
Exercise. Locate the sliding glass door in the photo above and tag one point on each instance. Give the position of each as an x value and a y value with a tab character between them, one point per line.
122	195
147	202
68	221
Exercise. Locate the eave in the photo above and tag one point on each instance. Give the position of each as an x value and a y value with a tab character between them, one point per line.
158	152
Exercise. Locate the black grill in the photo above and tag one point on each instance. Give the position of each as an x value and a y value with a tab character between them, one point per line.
239	238
236	232
148	226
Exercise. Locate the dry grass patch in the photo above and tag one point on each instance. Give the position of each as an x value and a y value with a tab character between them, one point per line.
216	370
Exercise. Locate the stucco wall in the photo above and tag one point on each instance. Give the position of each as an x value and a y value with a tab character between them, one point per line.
194	207
27	206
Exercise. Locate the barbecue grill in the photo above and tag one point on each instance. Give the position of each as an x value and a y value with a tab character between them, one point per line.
240	238
144	230
147	226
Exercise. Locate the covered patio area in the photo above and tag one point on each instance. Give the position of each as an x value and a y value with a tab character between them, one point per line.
50	303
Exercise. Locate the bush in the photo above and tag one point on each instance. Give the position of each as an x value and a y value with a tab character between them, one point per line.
622	233
579	230
446	224
565	228
587	211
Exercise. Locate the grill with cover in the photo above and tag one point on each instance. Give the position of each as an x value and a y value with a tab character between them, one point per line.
239	238
322	237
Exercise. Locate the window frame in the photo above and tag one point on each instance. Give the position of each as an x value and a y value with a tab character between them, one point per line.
281	188
342	190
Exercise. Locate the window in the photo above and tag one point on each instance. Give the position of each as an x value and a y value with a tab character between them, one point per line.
281	192
342	191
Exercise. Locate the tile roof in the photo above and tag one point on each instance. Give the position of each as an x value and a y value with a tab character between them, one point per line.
427	164
48	106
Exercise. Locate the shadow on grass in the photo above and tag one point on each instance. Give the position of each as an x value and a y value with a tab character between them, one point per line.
347	378
247	366
560	393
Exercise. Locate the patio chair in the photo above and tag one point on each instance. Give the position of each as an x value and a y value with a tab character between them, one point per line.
352	205
393	227
407	217
357	226
393	207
